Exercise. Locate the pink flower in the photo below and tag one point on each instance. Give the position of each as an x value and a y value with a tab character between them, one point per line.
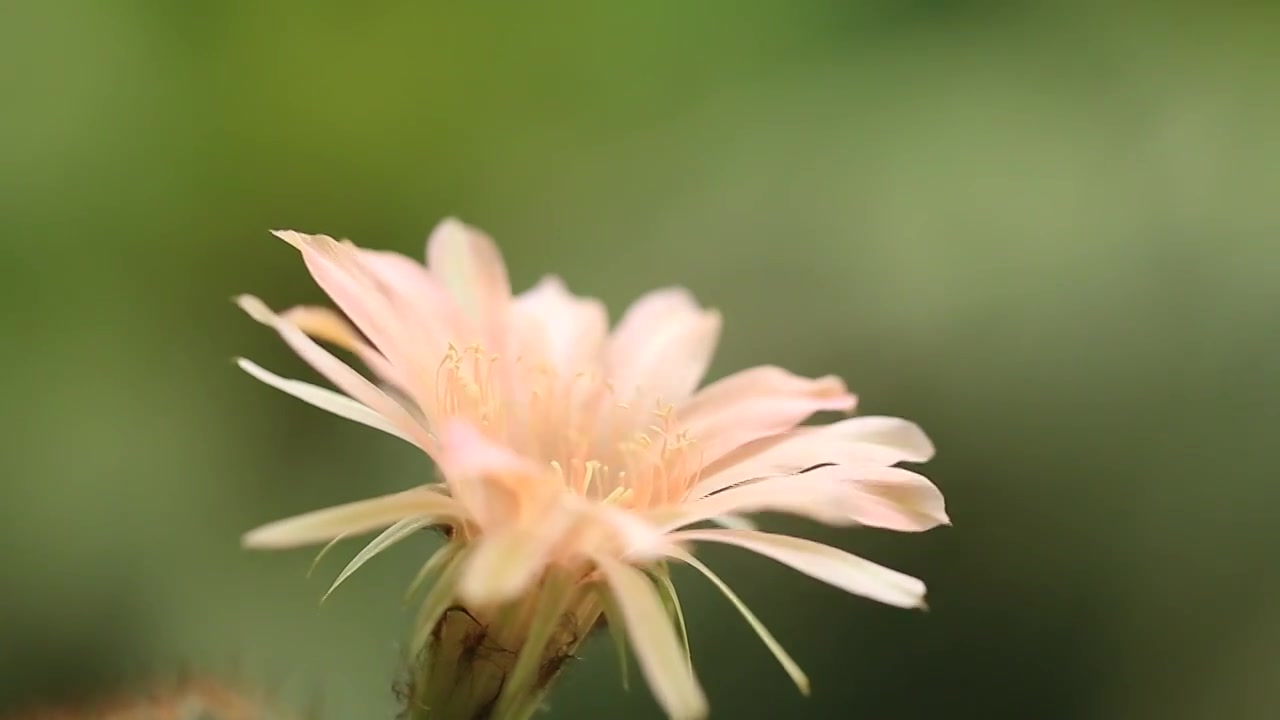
568	449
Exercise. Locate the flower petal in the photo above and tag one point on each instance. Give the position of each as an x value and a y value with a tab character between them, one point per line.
573	329
505	562
662	346
867	440
757	403
654	641
870	495
339	373
392	535
352	519
791	666
327	325
428	307
337	269
323	398
469	264
823	562
494	482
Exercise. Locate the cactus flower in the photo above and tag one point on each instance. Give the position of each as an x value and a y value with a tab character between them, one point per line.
575	463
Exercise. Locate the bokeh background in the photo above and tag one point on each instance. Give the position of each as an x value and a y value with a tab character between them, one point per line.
1047	231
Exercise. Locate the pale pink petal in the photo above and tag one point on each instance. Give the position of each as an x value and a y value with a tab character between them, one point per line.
572	329
469	264
494	482
337	269
654	641
868	440
500	566
340	374
662	346
870	495
429	308
823	562
353	519
505	562
756	403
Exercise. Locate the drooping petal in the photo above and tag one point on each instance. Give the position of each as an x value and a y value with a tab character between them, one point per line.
339	373
757	403
354	518
867	440
662	346
323	398
469	264
573	329
823	562
326	325
793	669
654	641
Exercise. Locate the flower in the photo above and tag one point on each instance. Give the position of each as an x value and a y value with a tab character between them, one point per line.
575	461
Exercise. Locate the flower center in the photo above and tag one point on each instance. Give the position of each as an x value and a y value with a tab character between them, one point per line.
606	443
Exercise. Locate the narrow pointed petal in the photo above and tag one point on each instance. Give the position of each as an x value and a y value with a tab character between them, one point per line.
400	531
788	664
823	562
754	404
654	641
439	599
663	345
352	519
325	399
339	373
472	269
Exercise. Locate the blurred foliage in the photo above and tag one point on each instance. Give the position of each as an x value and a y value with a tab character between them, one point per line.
1046	231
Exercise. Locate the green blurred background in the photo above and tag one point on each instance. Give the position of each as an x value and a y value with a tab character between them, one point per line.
1047	231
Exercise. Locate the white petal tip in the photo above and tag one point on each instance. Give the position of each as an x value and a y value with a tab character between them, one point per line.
256	309
292	237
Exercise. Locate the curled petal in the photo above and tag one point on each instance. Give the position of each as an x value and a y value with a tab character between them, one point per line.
353	519
823	562
870	495
867	440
